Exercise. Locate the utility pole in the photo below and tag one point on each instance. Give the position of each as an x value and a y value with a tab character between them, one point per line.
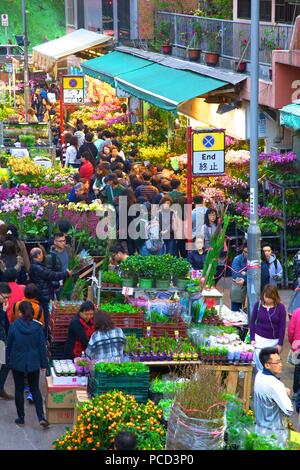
254	233
26	71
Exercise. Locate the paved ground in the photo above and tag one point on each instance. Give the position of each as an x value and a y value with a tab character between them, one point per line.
31	437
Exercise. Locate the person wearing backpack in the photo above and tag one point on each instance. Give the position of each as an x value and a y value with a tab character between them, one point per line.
274	265
31	294
153	244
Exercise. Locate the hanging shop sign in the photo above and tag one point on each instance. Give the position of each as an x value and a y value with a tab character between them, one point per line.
73	89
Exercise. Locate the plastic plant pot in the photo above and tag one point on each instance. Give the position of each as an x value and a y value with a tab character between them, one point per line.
79	369
162	283
237	355
244	357
128	282
182	283
230	356
146	283
250	356
166	49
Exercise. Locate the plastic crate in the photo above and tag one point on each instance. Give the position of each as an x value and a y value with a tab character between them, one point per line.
135	320
138	332
162	329
138	385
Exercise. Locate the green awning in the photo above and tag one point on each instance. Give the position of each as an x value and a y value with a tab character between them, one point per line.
109	66
166	87
290	116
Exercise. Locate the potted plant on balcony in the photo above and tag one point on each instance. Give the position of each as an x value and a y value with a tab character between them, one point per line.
214	41
193	48
241	64
163	36
269	43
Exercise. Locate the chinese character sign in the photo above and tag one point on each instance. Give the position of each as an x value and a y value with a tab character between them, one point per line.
208	155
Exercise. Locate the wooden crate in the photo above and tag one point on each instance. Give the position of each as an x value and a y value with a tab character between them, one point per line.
80	398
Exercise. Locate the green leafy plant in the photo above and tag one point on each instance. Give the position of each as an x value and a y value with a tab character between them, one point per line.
197	35
167	387
166	405
126	368
119	308
181	268
111	277
157	317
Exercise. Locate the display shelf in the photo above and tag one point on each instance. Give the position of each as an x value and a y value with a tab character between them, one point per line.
9	133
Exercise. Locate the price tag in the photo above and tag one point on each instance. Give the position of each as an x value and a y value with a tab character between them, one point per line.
148	330
176	334
127	291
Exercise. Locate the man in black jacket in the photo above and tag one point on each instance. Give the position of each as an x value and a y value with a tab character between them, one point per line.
5	292
43	277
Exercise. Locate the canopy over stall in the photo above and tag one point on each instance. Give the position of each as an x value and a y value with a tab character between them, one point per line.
150	81
290	116
46	55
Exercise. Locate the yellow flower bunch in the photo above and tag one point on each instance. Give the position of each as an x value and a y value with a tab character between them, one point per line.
24	166
110	413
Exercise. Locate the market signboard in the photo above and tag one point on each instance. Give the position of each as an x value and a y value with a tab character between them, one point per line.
208	152
73	89
4	20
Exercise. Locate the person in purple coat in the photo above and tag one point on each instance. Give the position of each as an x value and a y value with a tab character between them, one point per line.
267	325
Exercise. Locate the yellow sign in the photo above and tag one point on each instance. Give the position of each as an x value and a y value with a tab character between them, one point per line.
208	141
75	82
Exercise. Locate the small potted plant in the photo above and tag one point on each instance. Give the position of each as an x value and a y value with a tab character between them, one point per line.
163	271
242	64
193	48
146	271
214	41
129	269
163	37
181	269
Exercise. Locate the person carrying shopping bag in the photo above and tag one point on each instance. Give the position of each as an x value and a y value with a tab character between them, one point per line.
267	325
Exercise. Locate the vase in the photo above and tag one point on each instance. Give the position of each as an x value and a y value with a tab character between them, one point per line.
162	283
194	54
145	283
211	58
166	49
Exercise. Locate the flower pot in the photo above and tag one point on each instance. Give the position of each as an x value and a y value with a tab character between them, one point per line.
195	357
175	357
79	369
145	283
194	54
244	356
128	282
188	356
182	356
182	283
162	283
241	66
166	49
212	58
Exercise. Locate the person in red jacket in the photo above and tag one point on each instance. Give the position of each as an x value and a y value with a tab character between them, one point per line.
294	340
87	169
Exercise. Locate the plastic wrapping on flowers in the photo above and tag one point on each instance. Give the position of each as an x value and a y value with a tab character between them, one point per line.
187	433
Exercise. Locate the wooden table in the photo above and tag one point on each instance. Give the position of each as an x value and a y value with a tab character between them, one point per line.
229	374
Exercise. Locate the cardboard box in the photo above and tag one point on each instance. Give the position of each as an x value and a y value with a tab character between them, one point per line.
81	397
62	396
60	415
68	380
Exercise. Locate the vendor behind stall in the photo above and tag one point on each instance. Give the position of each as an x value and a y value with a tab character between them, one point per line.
107	343
81	329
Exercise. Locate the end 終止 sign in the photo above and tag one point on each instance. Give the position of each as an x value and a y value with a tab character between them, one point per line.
208	152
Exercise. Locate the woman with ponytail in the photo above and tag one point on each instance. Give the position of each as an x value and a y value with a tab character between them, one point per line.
26	354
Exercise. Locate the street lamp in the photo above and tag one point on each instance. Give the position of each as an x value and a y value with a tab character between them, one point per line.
26	71
254	233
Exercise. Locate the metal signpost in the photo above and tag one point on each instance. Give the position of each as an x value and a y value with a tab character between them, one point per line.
254	233
4	22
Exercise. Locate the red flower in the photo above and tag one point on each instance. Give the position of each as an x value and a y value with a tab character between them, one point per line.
210	303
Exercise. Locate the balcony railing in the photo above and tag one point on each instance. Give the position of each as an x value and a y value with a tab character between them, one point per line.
234	35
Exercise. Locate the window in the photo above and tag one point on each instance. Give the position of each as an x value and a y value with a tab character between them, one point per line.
107	16
70	13
286	12
244	10
3	51
92	15
124	19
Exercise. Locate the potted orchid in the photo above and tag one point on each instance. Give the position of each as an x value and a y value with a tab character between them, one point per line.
214	41
193	48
